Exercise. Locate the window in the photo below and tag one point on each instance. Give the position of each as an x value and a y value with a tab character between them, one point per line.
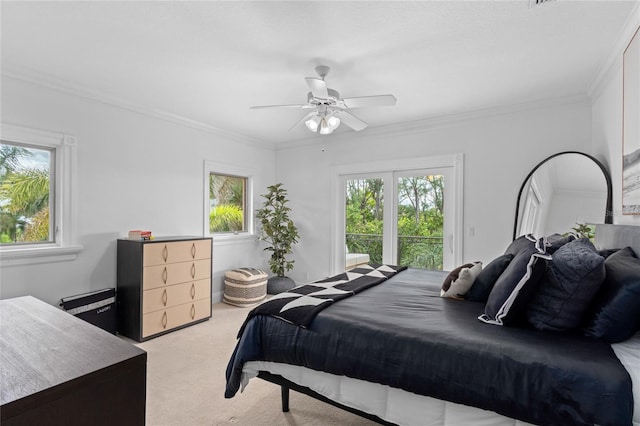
26	194
37	196
399	212
227	202
417	200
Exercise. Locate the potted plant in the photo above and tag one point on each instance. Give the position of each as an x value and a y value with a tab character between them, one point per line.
582	230
279	231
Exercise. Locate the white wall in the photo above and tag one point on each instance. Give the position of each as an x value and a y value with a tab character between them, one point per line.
607	121
137	171
499	151
573	207
134	171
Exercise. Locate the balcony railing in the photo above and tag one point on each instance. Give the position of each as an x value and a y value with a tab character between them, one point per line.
413	251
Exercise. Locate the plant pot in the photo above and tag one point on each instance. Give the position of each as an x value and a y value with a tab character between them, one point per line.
277	284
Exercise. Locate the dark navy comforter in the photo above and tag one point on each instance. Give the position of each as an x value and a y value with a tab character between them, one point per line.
402	334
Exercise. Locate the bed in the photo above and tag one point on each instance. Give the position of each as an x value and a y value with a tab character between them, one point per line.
398	353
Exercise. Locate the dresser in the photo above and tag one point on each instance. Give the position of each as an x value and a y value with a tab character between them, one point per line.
163	284
57	369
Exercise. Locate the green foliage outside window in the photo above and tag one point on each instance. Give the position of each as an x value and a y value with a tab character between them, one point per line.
227	199
226	218
420	219
24	194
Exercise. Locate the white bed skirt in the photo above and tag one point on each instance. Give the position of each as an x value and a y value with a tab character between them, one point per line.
406	408
390	404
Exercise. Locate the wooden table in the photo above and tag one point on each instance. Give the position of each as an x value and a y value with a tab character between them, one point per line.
56	369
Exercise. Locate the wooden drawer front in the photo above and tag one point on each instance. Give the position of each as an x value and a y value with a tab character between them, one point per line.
175	273
173	295
166	319
179	251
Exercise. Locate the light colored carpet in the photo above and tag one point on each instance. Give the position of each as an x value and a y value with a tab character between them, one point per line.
186	382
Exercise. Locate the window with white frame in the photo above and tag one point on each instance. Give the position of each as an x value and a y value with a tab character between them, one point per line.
27	194
388	234
228	204
37	196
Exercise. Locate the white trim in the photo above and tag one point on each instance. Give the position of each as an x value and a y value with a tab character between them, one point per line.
221	168
397	165
35	255
66	204
455	161
53	83
614	61
50	82
418	126
458	226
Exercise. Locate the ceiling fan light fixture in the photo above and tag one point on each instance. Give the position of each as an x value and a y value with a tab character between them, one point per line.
333	122
325	129
313	123
329	110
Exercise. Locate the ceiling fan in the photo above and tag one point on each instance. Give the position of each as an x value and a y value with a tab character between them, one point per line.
329	109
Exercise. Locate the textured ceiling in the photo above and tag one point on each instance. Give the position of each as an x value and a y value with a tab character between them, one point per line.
208	61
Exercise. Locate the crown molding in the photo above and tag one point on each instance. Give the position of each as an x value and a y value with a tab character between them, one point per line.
611	64
411	127
47	81
417	126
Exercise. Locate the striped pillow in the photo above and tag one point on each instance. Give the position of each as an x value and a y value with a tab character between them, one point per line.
512	291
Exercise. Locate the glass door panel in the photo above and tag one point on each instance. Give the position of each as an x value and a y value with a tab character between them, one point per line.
420	221
364	221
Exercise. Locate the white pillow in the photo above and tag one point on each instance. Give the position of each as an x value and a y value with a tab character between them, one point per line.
460	280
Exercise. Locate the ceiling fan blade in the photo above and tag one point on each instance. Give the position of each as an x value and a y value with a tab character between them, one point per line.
303	119
318	87
281	106
350	120
366	101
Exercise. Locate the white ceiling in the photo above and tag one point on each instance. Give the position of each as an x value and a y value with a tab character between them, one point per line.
208	61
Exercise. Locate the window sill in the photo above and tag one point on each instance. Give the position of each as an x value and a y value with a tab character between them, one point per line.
233	239
35	255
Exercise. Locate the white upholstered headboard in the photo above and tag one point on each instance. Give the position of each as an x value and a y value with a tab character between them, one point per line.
618	236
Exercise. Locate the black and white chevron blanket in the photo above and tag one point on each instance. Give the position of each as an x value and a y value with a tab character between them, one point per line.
301	304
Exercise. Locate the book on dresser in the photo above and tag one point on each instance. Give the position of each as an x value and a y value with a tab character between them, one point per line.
137	234
163	284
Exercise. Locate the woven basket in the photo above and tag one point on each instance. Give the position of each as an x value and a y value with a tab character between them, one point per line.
244	287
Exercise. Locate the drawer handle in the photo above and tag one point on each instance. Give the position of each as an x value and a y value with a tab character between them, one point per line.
165	275
193	270
164	297
164	320
193	250
193	311
165	253
193	290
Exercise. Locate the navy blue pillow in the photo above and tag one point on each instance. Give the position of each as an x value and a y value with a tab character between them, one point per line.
615	313
524	242
555	241
479	291
607	252
512	292
572	279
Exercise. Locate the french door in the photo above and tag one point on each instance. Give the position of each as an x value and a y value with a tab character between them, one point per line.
403	217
